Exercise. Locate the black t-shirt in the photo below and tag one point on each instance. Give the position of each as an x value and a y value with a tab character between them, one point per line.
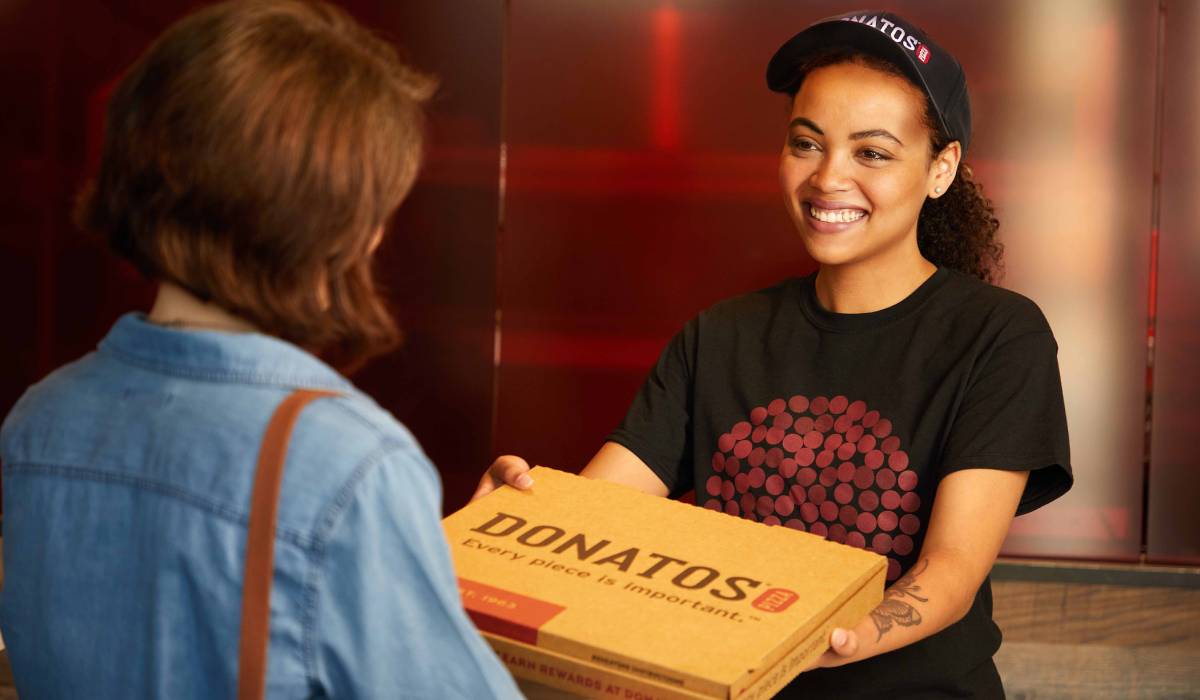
842	425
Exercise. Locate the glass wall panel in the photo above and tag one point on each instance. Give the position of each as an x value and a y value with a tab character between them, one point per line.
1174	523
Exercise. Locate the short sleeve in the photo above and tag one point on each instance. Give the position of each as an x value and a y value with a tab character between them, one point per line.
389	622
657	427
1012	417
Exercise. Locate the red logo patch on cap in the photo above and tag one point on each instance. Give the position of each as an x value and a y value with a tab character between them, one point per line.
922	53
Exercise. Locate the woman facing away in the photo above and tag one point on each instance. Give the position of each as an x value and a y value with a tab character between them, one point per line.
895	400
252	158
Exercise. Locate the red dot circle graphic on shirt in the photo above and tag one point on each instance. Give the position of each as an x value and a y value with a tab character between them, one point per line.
713	486
787	467
828	464
732	466
881	543
765	505
784	505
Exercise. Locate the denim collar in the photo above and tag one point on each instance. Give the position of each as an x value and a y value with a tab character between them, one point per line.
218	356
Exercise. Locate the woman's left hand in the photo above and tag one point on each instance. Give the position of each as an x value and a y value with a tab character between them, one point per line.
843	643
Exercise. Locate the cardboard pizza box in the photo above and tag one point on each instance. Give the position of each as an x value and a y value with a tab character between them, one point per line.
607	592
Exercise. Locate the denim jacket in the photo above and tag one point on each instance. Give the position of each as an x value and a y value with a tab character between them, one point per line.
127	479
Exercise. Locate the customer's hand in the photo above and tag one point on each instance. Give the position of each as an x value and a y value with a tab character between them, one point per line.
507	469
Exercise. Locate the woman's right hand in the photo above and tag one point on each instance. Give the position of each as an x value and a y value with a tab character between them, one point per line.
507	469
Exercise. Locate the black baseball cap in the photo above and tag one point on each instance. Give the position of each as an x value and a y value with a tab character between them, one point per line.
890	38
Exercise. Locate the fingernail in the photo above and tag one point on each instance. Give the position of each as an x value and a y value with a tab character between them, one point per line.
839	637
524	481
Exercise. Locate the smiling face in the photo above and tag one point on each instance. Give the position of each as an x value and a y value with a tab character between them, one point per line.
856	166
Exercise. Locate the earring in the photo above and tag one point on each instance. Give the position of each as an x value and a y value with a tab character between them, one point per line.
937	190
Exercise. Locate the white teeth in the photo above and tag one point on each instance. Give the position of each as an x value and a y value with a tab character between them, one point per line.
836	216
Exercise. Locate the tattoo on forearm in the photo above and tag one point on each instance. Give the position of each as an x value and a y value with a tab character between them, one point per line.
895	609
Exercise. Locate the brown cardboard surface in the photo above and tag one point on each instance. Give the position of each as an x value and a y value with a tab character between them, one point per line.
681	599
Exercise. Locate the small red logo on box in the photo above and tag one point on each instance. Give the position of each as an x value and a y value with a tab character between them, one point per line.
775	600
922	53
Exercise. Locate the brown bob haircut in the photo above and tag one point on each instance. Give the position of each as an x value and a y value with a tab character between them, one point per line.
251	155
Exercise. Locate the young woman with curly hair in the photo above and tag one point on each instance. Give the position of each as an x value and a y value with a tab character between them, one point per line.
895	400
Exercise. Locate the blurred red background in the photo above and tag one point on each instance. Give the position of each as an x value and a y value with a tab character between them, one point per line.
602	171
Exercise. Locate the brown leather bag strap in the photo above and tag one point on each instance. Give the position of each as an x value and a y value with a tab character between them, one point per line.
260	544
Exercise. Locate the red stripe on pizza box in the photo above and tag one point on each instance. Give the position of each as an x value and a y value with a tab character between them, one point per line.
505	613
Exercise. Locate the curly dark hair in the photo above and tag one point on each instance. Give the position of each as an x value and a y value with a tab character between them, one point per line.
958	229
